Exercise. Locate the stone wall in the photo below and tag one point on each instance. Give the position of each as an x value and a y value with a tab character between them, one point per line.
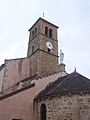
43	62
43	24
75	107
47	64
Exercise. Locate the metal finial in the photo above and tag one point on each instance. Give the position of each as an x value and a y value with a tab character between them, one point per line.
43	14
75	69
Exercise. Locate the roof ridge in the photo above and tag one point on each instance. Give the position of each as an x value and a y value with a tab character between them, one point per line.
60	83
73	82
84	77
65	80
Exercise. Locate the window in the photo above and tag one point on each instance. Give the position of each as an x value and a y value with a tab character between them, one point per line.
50	33
43	112
33	49
46	31
48	50
32	33
35	31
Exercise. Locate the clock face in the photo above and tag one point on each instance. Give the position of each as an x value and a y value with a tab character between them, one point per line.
49	45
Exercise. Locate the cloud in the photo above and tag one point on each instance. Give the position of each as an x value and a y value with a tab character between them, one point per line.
72	16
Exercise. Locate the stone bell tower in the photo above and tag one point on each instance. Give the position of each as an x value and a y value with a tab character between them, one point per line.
43	48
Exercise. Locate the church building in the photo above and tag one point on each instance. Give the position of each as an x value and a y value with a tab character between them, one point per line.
37	87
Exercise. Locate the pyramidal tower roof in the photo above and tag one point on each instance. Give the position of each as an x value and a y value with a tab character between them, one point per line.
44	21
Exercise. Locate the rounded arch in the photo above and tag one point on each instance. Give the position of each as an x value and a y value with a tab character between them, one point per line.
50	33
33	47
46	31
43	112
35	31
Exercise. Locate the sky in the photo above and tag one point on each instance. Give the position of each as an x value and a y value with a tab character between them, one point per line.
72	17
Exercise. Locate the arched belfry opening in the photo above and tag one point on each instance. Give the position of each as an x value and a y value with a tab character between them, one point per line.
43	112
45	58
50	33
46	31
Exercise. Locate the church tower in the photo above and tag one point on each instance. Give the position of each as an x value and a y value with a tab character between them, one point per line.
43	48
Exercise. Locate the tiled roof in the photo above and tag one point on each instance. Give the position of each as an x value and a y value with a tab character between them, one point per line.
71	83
2	66
44	21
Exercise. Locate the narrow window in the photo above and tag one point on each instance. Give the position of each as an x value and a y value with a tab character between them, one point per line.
33	49
50	33
46	31
48	50
35	31
32	33
29	36
43	112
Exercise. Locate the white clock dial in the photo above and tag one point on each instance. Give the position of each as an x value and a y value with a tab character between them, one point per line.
49	45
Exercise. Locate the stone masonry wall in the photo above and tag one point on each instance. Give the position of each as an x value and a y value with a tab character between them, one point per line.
75	107
42	62
46	65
